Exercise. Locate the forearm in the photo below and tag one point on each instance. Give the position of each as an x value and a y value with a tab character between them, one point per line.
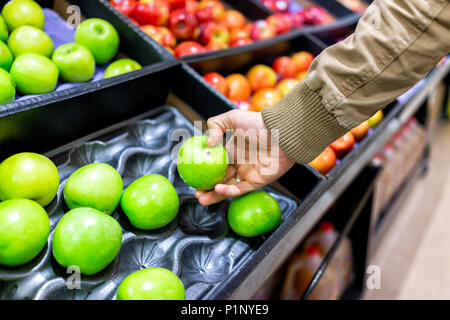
396	43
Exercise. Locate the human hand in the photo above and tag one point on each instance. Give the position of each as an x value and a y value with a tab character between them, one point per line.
257	158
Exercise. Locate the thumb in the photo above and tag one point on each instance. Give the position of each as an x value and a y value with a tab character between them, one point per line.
217	126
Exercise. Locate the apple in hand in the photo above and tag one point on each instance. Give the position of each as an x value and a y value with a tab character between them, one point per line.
261	76
28	39
151	284
34	74
75	62
19	13
3	30
189	47
150	202
86	238
7	87
121	66
286	85
265	98
24	230
29	176
96	185
254	214
182	24
261	30
100	37
281	23
212	32
218	82
200	166
154	12
285	67
6	57
126	7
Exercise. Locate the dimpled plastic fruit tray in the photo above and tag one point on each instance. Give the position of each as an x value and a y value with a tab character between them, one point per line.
198	245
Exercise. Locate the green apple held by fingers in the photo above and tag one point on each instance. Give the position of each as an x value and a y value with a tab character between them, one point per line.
3	30
6	57
150	202
100	37
200	166
121	66
34	74
254	214
17	13
86	238
75	62
29	176
151	284
24	229
96	185
7	88
28	39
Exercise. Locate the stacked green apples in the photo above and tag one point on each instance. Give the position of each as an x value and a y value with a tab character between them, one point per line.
29	63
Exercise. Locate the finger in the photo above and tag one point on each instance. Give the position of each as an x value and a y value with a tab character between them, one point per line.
211	197
217	126
234	190
199	193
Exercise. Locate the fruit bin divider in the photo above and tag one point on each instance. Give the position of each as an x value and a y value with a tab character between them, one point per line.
133	46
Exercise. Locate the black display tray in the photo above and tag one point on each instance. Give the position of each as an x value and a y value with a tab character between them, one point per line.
198	245
148	54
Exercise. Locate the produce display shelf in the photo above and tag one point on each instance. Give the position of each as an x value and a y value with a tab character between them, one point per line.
316	204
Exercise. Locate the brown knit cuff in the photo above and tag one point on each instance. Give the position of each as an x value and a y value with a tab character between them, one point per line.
305	127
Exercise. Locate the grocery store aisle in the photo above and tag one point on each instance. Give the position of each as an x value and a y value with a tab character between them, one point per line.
414	256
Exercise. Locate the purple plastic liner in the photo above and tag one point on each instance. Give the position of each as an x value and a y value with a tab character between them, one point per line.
61	33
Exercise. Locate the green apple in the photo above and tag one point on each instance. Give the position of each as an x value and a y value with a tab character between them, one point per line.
254	214
100	37
200	166
6	57
24	229
150	202
34	74
28	39
3	30
29	176
75	62
96	185
121	66
151	284
86	238
19	13
7	88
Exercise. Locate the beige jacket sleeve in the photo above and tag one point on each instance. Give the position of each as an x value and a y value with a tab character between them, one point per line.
395	44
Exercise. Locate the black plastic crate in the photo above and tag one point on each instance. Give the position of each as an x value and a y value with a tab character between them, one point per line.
131	45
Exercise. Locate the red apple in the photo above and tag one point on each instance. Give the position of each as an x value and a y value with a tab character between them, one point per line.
316	15
187	48
296	19
176	4
244	105
240	42
261	77
281	23
233	19
217	46
239	87
325	161
218	82
239	33
210	10
154	12
303	60
191	6
168	39
344	144
126	7
361	131
212	32
265	98
277	5
153	32
182	24
261	30
285	67
286	85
